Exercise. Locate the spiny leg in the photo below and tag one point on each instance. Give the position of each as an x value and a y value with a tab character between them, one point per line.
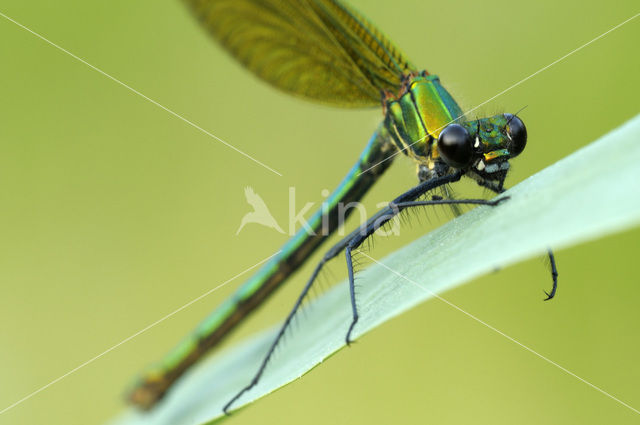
279	336
499	188
335	250
355	243
356	238
402	202
554	276
352	293
331	253
348	244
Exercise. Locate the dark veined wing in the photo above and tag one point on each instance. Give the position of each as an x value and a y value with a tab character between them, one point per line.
318	49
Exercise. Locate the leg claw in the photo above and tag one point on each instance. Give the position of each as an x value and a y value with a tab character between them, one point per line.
500	200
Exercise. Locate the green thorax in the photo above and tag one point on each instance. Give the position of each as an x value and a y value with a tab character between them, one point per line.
416	116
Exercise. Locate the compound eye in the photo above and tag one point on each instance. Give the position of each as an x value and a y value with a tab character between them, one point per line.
455	146
517	134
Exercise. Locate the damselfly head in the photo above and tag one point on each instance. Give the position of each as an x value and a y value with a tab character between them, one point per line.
483	147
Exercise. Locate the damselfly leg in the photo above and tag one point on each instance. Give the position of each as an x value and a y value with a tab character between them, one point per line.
352	242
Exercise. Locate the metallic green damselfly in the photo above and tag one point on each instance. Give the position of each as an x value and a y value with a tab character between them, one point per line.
325	51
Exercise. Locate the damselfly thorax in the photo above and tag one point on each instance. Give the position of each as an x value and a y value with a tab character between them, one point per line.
324	51
427	125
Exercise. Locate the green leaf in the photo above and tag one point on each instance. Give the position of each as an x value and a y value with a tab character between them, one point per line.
589	194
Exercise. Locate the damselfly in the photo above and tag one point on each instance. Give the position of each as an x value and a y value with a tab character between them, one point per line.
325	51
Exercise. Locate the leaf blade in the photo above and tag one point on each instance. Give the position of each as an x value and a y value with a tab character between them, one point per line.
584	196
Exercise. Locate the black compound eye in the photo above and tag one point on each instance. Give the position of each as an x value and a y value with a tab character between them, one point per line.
455	146
517	134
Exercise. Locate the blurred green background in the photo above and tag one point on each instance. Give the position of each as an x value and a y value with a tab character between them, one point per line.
115	213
